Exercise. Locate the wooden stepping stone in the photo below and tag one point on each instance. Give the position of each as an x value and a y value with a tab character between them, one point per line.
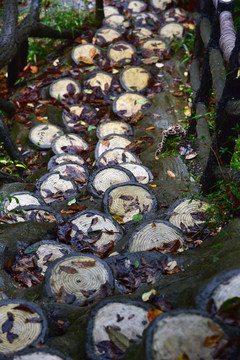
160	4
141	173
171	30
31	213
111	142
85	53
69	144
113	127
121	52
63	158
22	324
174	14
21	198
78	279
187	213
146	19
92	232
30	266
134	78
100	80
229	288
73	171
142	33
105	177
106	35
127	320
129	202
78	117
115	157
42	135
65	86
110	10
43	354
116	21
128	105
153	47
187	333
156	235
137	6
55	187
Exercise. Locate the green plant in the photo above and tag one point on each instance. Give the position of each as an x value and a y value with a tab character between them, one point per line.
185	45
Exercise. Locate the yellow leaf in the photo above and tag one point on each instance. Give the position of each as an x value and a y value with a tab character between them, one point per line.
152	185
183	357
146	296
171	174
152	313
85	60
118	219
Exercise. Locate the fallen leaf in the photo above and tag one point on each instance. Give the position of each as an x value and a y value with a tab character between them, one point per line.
119	339
68	269
150	128
146	296
190	155
33	69
84	264
183	357
212	341
152	313
171	174
92	52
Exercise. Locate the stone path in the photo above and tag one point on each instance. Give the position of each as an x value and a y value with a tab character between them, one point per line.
114	224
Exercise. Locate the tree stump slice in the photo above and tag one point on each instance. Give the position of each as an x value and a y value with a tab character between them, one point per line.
116	21
121	52
105	177
141	173
22	324
47	251
134	78
30	265
62	158
41	354
127	200
106	35
128	105
69	144
142	33
171	30
187	213
74	171
229	288
153	47
77	279
126	318
110	10
101	80
33	213
116	156
154	234
174	14
177	334
61	87
96	228
85	53
55	187
113	127
42	135
21	198
137	6
110	142
148	19
160	4
78	117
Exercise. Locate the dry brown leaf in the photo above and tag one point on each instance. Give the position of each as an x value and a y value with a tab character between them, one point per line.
84	264
68	269
212	341
33	69
85	60
136	118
